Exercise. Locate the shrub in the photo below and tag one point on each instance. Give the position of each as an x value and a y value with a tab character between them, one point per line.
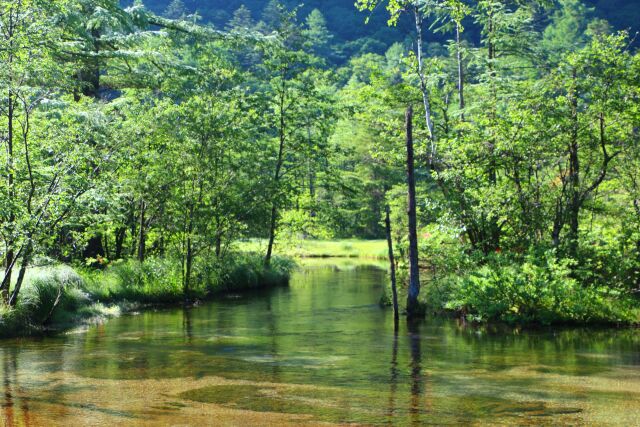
538	290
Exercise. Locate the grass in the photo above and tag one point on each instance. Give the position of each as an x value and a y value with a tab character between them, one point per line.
52	297
302	248
60	297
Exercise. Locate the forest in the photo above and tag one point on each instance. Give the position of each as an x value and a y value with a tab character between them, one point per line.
166	152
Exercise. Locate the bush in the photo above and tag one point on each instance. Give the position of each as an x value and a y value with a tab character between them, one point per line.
537	290
605	257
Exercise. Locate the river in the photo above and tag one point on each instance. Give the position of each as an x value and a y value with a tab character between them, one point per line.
318	351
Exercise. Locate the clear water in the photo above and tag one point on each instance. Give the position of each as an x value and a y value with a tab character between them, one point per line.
319	351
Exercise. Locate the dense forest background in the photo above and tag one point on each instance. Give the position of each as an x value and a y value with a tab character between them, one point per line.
347	24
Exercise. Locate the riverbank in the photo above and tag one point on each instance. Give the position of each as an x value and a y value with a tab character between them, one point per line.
530	290
307	248
60	297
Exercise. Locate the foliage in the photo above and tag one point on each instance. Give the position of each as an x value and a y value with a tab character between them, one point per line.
540	289
146	147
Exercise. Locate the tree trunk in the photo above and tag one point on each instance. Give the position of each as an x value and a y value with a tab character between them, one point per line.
105	244
189	267
23	269
461	103
142	236
558	223
272	234
219	234
121	232
392	265
413	306
9	258
636	205
8	271
311	175
423	84
94	247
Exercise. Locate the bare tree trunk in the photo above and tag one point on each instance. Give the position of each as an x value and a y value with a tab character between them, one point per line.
558	223
189	267
392	265
133	230
272	234
10	256
423	83
8	271
142	236
461	103
636	205
219	233
311	175
413	307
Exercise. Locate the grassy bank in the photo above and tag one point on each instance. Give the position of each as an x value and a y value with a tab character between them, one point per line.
303	248
59	297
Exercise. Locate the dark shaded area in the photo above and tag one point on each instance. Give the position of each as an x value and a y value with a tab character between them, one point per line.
360	32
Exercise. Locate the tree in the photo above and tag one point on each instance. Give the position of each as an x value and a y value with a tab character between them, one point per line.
317	33
33	196
392	264
175	10
566	32
241	20
288	92
413	306
272	15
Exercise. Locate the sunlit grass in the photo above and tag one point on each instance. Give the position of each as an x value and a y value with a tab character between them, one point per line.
303	248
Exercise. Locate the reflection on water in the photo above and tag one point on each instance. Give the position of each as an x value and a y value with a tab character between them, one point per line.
413	330
318	351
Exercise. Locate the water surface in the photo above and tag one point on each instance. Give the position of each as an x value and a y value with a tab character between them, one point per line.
318	351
